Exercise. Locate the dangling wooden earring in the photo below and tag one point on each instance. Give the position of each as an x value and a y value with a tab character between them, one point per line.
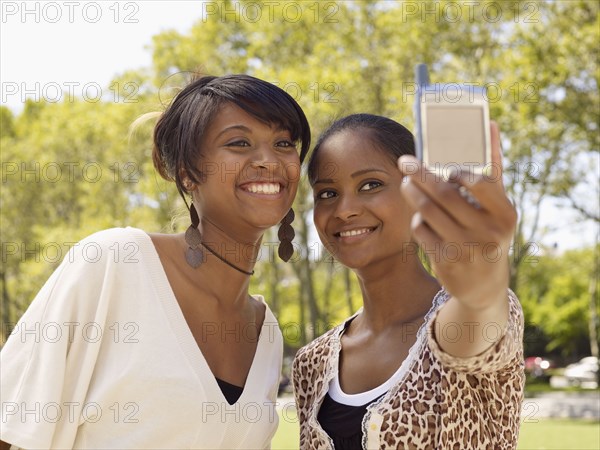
286	235
194	254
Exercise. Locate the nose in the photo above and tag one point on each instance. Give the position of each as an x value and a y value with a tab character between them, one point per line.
348	206
264	157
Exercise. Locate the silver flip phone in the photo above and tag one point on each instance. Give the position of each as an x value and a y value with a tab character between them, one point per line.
452	126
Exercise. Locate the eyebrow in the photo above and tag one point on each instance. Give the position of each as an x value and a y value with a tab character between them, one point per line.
324	181
234	127
363	171
248	130
354	175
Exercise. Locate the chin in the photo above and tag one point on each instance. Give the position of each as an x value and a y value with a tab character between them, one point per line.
267	222
353	259
352	264
265	216
345	260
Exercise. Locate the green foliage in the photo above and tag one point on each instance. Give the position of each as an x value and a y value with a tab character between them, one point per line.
335	58
6	123
555	295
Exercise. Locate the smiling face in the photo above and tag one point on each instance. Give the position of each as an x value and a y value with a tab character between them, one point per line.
251	171
359	212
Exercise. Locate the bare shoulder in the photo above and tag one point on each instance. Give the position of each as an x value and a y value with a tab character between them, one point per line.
260	310
320	349
167	245
165	239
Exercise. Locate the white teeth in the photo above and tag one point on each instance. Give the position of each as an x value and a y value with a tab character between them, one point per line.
354	232
263	188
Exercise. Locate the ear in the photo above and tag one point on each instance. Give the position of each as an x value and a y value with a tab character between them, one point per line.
186	181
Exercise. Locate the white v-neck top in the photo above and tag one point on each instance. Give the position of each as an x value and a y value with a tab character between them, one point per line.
103	358
362	398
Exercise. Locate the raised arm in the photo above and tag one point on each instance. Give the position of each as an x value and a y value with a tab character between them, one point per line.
468	245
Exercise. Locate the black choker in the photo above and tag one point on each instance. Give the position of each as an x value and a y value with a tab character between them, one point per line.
239	269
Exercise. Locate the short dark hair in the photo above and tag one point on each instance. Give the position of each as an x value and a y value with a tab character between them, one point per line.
180	128
387	134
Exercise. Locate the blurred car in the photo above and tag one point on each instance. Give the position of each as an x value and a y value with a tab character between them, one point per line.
537	366
583	371
285	387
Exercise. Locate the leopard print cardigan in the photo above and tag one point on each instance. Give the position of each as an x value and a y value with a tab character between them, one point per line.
439	402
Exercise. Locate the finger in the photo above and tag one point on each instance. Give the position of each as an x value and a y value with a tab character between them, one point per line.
444	194
409	165
490	197
444	222
422	232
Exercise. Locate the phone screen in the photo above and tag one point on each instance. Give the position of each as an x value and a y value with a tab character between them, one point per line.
455	134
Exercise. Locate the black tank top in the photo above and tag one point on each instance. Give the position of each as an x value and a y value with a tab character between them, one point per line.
343	423
231	392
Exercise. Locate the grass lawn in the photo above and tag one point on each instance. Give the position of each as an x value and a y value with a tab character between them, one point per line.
288	431
544	434
534	386
559	434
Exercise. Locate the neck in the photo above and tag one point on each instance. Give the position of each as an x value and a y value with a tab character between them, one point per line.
233	265
216	276
395	290
238	254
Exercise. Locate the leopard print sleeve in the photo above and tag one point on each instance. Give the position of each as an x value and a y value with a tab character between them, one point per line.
312	370
300	378
299	395
506	353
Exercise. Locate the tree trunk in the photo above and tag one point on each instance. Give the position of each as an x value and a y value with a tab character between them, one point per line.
273	292
273	275
302	314
327	296
348	284
313	308
593	321
5	306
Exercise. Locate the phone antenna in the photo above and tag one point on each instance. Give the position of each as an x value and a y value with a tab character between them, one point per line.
421	75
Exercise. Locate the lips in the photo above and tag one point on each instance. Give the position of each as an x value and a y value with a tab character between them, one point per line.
354	232
262	188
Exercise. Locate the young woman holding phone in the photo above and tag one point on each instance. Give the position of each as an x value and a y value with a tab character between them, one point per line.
427	362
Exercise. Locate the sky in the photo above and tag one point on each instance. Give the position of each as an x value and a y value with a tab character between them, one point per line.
78	46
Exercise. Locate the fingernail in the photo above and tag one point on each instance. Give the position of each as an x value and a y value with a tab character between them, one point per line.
408	164
453	174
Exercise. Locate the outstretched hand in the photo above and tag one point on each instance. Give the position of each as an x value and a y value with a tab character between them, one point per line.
466	242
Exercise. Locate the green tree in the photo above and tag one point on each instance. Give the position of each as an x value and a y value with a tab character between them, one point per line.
555	297
538	59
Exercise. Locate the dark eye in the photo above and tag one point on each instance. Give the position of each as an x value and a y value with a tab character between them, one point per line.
324	195
285	144
240	143
370	185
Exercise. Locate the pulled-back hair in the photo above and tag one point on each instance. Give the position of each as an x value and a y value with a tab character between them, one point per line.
180	128
388	135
